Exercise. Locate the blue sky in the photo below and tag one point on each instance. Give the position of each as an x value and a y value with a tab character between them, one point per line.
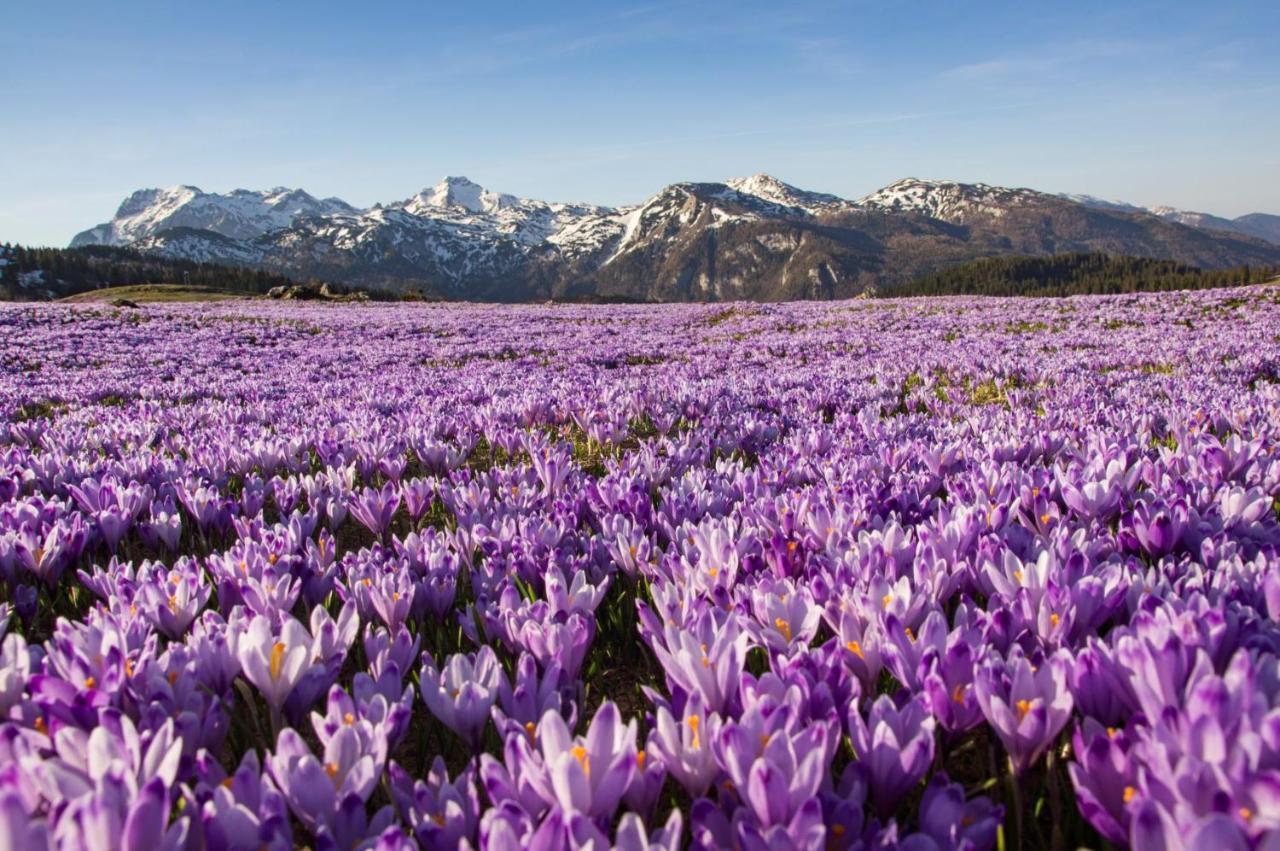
1156	103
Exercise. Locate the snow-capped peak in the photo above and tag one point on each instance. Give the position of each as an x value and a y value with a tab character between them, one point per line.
459	192
769	188
762	186
239	214
947	199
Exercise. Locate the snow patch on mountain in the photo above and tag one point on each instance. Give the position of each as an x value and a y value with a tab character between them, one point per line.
240	214
772	189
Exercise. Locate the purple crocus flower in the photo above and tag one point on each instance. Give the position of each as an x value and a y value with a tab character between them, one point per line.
463	691
646	785
1100	686
242	810
20	831
1026	705
1103	775
528	696
589	774
711	668
138	824
859	646
577	596
164	527
713	830
172	601
315	788
948	687
684	745
896	745
952	822
561	640
385	650
46	552
382	591
378	719
375	509
632	834
1155	829
18	663
777	770
274	660
1156	529
440	812
786	614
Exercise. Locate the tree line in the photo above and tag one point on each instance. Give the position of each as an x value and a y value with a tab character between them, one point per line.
67	271
1094	273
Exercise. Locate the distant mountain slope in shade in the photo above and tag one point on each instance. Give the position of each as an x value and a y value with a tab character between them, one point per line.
1263	226
746	238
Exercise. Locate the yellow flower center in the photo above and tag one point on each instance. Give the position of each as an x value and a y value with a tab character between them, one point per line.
277	659
1023	707
90	682
1054	619
886	600
580	754
1246	813
331	769
348	719
783	627
855	648
957	694
1129	793
640	757
693	723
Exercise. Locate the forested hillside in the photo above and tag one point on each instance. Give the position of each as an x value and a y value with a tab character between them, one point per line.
1093	273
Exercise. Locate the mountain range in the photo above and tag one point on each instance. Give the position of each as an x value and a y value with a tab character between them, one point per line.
746	238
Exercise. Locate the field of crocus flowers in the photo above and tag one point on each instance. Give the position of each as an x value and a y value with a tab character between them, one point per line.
929	574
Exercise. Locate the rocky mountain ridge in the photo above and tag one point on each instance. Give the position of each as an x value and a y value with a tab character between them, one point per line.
750	238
